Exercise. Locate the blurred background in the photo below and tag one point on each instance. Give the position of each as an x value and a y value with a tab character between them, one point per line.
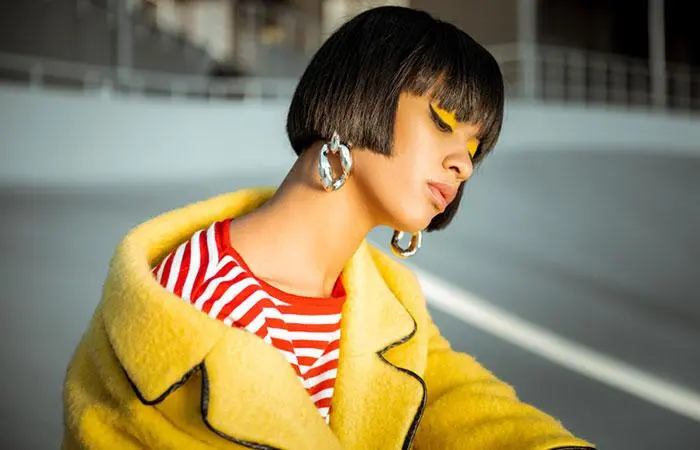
572	271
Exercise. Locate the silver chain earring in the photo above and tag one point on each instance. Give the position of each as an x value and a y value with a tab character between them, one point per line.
413	246
324	166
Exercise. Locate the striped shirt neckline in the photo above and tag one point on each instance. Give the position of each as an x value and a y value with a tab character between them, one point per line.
209	273
335	300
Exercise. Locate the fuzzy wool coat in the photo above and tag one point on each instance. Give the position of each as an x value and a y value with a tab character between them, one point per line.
151	371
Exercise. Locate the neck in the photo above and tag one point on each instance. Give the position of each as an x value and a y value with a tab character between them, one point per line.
302	237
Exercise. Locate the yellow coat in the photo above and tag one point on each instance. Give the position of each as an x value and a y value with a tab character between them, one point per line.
151	371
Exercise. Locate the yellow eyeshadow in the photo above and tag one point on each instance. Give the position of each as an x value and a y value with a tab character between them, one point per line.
448	117
451	120
472	146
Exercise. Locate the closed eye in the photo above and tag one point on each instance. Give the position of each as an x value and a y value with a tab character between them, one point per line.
442	126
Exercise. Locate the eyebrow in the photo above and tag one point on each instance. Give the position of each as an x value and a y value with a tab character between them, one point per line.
450	120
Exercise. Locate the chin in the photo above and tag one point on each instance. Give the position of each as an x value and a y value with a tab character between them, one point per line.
415	223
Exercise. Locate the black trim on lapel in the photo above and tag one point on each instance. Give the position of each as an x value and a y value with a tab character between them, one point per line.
572	448
408	440
204	405
165	394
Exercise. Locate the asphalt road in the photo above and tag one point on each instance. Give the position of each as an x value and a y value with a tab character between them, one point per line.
599	247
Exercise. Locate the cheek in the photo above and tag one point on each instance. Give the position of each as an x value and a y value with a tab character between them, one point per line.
405	169
394	186
418	142
406	198
417	161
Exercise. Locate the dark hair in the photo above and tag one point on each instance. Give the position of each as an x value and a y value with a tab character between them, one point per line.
353	82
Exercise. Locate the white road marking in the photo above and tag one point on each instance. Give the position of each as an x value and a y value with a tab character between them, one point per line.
542	342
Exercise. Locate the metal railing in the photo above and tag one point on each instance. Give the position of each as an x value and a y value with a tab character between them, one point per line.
556	75
41	73
571	75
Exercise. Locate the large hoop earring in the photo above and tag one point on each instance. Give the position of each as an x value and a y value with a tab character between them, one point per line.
413	246
324	166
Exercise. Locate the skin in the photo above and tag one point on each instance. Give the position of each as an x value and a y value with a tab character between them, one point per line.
300	240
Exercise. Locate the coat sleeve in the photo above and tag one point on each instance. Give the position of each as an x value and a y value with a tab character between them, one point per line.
469	408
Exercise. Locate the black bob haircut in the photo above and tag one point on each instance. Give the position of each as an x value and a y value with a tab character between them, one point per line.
353	82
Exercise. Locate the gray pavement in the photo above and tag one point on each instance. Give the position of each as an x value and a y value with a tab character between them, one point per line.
598	247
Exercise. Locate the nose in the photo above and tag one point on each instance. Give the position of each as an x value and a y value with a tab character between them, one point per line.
459	164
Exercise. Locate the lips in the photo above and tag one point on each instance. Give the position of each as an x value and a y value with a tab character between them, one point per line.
443	194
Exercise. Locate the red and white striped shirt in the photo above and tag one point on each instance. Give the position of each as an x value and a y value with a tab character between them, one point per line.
212	276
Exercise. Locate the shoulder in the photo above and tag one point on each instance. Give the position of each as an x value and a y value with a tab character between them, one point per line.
192	261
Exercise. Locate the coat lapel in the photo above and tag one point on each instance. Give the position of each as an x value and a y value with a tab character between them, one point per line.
378	401
254	398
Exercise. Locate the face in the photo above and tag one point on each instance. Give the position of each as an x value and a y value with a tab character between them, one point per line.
432	156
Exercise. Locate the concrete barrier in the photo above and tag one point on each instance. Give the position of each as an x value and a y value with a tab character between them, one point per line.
62	137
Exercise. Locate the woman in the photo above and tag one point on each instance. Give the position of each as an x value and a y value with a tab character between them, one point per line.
262	319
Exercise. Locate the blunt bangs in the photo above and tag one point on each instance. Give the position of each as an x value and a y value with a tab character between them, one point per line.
461	76
353	82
